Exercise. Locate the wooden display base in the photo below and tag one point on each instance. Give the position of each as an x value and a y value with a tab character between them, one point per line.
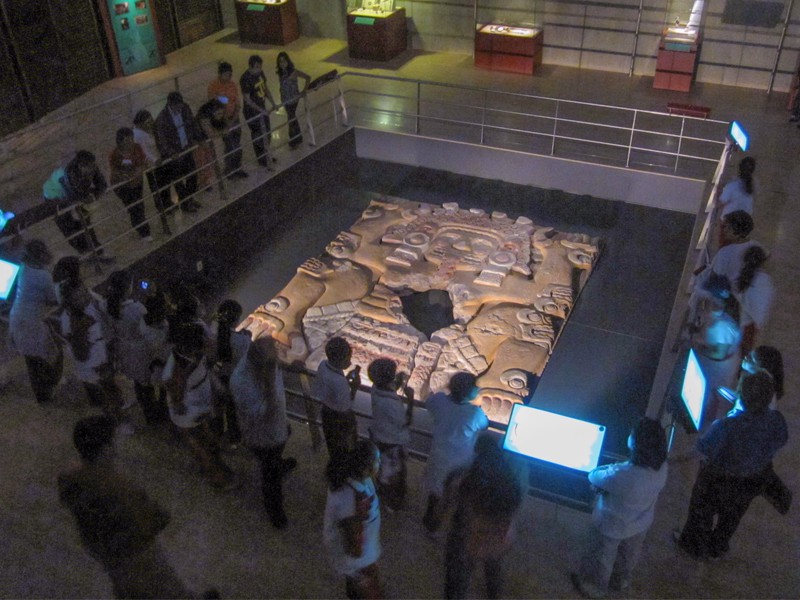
274	24
377	37
512	53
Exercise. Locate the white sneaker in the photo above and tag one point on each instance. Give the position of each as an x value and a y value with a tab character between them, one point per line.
148	238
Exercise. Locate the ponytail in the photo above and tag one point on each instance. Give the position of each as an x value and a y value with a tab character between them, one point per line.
746	169
754	258
119	282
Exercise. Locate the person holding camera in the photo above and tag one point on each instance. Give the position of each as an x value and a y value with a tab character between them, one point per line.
391	419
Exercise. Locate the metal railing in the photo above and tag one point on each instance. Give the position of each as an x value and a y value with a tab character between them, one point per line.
597	133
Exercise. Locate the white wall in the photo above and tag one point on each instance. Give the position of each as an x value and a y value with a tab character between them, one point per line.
611	183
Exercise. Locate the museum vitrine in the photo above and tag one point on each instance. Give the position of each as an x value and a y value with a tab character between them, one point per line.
132	28
376	30
267	21
502	47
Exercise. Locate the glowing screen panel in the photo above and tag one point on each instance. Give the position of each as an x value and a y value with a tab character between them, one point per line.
8	273
693	390
554	438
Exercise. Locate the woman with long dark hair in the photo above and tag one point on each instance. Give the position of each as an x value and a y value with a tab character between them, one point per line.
291	94
755	292
256	385
738	194
624	511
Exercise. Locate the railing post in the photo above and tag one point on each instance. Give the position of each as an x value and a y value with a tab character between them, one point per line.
311	413
223	193
483	116
342	103
680	144
419	101
555	131
630	139
309	124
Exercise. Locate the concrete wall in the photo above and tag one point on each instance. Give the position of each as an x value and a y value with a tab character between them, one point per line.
612	183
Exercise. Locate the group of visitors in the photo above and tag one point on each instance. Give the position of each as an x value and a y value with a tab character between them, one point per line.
741	429
176	149
216	388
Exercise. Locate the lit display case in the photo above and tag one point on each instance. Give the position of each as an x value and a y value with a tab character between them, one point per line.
513	48
376	30
132	27
678	52
267	21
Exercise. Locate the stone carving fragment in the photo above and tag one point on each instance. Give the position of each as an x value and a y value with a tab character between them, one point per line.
507	280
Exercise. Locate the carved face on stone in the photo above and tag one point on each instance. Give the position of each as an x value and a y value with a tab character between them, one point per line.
461	246
344	246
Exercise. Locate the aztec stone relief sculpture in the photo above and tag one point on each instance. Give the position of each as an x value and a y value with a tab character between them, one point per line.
511	284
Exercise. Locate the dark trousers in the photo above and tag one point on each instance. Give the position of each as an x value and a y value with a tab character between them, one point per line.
176	172
131	197
341	432
459	565
160	198
391	479
152	401
107	396
44	376
364	584
295	134
70	226
232	142
433	517
272	471
727	499
260	133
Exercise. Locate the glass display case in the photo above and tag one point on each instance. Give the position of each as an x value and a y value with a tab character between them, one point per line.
504	47
375	29
267	21
135	37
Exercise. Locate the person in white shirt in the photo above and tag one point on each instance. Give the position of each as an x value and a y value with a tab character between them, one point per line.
456	425
191	386
83	327
391	418
144	135
256	385
29	332
756	293
336	391
738	194
352	523
627	495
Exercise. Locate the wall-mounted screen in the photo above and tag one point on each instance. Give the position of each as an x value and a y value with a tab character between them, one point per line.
693	389
554	438
8	274
739	136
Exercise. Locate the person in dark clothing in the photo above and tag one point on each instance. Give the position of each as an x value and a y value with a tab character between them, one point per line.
128	163
737	453
176	133
255	94
487	498
291	94
117	521
70	188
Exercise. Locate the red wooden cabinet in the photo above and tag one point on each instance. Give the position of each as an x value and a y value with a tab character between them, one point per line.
676	65
376	36
508	48
263	23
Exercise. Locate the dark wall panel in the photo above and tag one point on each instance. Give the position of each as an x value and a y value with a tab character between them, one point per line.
166	25
15	114
36	44
82	48
196	19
